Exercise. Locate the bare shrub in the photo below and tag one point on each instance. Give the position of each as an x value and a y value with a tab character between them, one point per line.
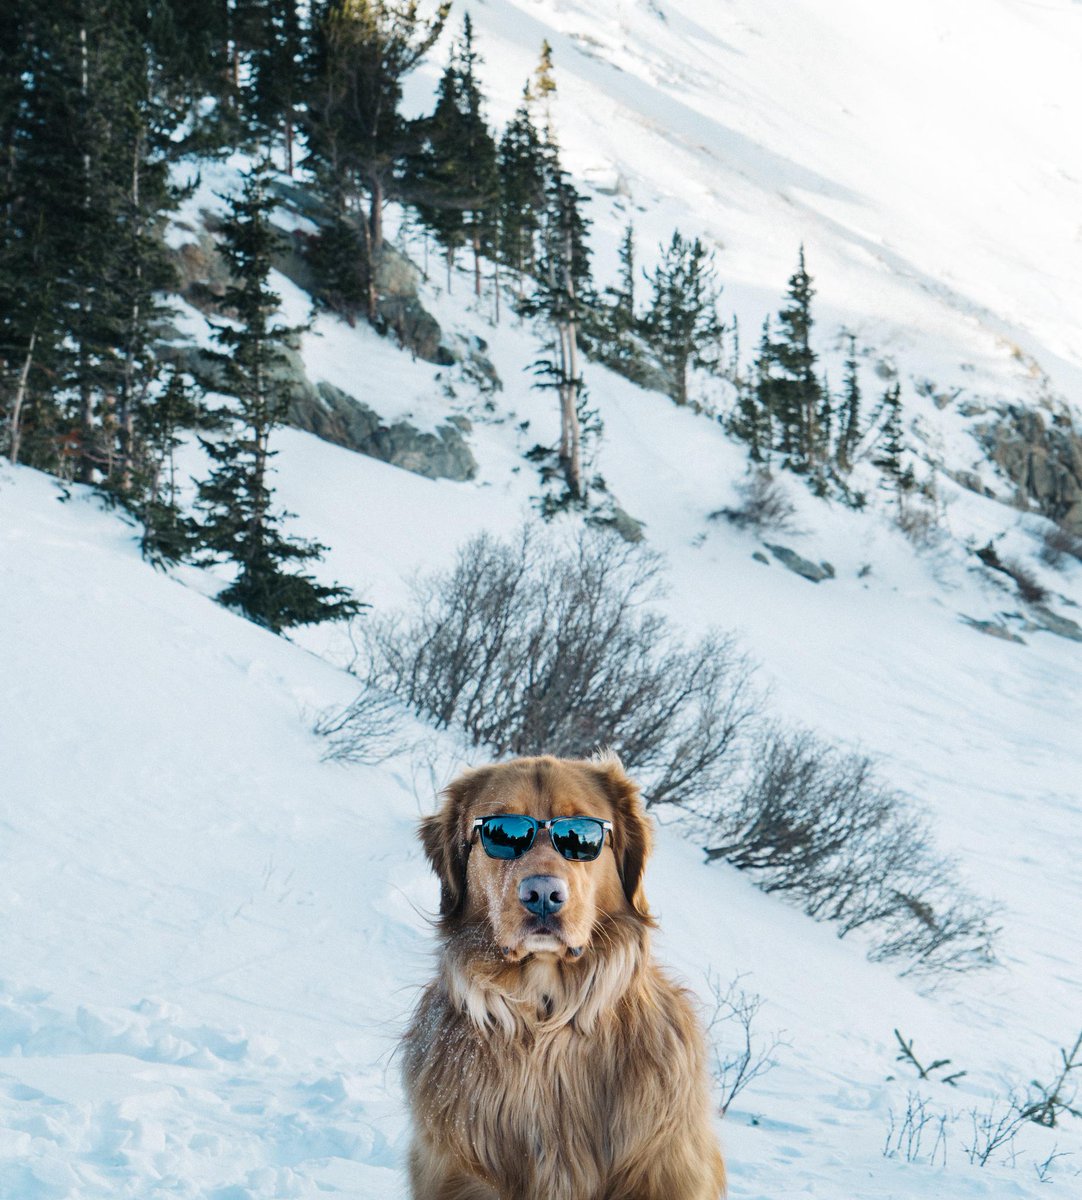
1059	544
994	1128
1028	588
530	648
740	1054
366	732
919	1135
764	505
1047	1102
817	824
919	520
926	1072
1026	582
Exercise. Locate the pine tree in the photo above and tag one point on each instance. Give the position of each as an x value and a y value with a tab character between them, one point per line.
562	298
752	420
788	383
457	178
890	441
521	191
358	139
168	535
849	412
682	321
239	523
275	61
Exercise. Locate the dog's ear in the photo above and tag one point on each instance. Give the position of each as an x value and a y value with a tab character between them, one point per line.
446	841
632	837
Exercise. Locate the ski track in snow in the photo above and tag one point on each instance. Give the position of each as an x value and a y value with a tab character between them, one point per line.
213	939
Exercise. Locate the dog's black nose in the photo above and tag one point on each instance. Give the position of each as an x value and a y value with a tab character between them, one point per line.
543	894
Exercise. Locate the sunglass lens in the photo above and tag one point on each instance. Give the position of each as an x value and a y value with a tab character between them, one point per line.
579	839
507	837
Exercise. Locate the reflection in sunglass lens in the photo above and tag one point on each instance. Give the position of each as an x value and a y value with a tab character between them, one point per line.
507	837
579	839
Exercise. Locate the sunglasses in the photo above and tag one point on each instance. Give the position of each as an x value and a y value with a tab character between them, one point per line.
509	835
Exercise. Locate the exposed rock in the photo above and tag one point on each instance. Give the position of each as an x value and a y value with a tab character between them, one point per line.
628	527
759	556
970	480
1042	455
993	629
337	417
1043	618
800	566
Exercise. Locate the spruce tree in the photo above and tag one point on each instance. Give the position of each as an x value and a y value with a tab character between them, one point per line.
752	419
276	66
788	383
681	324
240	523
168	534
358	139
457	178
521	191
562	297
849	412
890	441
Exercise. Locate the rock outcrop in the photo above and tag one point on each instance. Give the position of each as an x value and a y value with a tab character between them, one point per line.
1041	453
816	572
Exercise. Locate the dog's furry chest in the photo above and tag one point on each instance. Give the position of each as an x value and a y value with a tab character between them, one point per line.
556	1114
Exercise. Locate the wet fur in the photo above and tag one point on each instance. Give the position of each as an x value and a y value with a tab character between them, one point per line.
539	1075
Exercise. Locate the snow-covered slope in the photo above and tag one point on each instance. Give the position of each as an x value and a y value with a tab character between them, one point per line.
213	938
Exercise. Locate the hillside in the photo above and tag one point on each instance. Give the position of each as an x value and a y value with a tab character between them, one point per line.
215	938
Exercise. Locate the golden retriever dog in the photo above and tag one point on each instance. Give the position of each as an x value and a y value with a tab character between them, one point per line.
550	1059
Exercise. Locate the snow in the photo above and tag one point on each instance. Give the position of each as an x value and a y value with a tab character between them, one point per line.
214	938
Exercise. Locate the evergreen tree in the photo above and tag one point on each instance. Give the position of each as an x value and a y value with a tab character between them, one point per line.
849	412
890	441
521	191
168	535
239	523
457	178
276	65
682	323
85	197
562	297
358	139
752	420
788	385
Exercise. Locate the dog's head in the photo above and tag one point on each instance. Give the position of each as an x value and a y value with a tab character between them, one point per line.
539	903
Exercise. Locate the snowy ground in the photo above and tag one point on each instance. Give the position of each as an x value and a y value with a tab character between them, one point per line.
213	938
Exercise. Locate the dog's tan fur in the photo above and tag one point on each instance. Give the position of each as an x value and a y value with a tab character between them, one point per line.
534	1074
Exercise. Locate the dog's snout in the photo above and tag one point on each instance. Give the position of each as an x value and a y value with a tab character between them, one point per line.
543	895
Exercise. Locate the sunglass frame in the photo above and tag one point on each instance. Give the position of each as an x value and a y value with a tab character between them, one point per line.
547	824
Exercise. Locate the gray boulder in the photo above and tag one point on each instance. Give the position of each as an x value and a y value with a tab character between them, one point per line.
1041	453
816	572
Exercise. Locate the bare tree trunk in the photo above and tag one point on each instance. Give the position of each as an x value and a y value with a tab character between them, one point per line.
476	262
20	397
574	458
289	140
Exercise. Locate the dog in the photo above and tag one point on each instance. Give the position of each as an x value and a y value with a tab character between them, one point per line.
551	1059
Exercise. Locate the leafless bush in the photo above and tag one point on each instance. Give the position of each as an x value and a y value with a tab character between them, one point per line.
366	732
817	824
530	649
1028	587
764	506
994	1128
740	1054
926	1072
1058	544
920	520
919	1135
1047	1102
